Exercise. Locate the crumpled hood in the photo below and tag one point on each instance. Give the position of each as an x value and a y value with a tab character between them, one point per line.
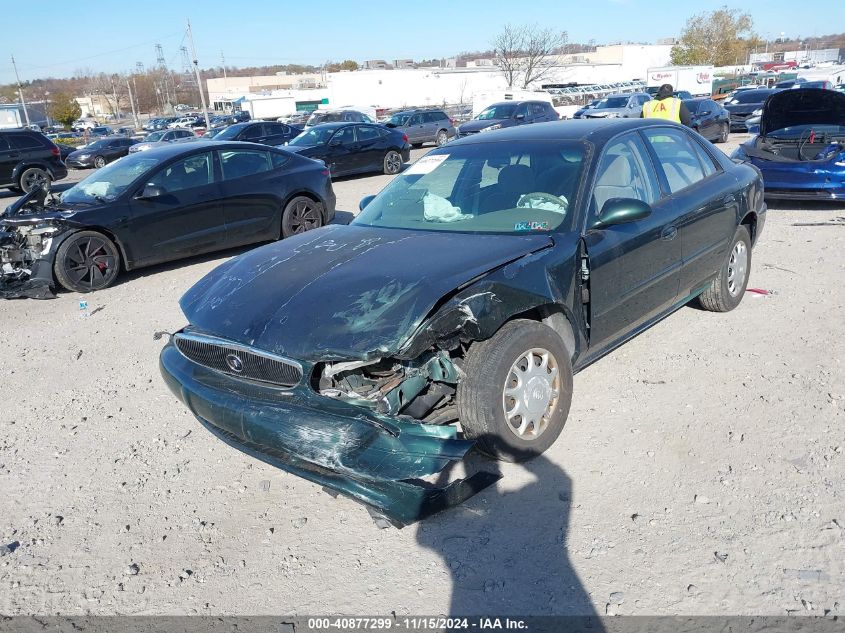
802	106
343	292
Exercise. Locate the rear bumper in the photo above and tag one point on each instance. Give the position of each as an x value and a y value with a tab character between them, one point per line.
346	448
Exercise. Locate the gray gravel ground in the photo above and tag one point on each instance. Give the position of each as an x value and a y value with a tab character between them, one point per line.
701	471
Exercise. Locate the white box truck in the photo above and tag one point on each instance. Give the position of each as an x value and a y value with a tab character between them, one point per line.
697	80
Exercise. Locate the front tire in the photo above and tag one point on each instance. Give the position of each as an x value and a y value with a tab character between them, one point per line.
31	178
727	289
99	162
301	214
515	397
87	261
392	163
723	133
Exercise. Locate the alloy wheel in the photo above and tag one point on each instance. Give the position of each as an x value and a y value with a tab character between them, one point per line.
32	179
99	161
531	393
737	268
89	262
303	216
392	163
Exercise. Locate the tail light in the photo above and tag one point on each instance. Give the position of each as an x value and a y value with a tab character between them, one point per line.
55	151
326	172
452	122
405	137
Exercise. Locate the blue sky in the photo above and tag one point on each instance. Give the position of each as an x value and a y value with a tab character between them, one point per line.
111	37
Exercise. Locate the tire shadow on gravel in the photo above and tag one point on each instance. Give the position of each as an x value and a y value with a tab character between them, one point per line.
506	550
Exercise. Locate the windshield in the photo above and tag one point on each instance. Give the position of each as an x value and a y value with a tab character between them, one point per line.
399	120
154	137
751	96
229	133
97	144
108	182
314	136
214	132
483	188
612	102
500	111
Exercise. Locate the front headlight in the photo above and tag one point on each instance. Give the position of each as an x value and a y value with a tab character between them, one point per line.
492	127
83	156
757	112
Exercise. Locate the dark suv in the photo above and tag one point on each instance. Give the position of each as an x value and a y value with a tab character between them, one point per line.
507	114
423	126
27	159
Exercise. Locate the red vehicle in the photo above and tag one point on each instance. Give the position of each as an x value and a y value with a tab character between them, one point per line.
778	66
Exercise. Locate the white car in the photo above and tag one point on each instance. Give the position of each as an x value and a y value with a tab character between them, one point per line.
185	121
82	124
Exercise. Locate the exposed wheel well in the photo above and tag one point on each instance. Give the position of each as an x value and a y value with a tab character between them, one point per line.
109	235
750	222
554	317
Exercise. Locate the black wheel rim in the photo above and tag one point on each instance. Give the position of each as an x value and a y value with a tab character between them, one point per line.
90	262
33	179
302	216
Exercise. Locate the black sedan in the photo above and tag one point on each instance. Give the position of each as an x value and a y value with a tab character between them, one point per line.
266	132
99	153
354	148
744	105
465	295
163	204
709	119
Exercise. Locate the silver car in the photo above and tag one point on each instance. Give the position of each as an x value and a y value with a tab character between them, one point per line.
160	137
621	106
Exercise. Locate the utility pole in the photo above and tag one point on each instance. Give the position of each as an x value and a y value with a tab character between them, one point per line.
199	79
132	103
116	104
20	92
225	79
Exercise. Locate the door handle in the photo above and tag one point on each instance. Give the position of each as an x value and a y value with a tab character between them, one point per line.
729	199
668	233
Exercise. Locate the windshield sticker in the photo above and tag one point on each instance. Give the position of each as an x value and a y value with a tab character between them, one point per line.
426	165
531	226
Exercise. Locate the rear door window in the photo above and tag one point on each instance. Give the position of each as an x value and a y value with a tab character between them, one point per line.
677	157
241	163
25	141
367	133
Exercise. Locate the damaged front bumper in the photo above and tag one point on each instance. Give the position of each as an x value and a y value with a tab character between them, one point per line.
373	458
26	261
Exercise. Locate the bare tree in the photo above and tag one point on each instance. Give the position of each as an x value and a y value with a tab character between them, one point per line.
540	48
524	53
508	50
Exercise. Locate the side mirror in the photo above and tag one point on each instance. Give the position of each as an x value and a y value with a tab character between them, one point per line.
622	211
149	192
364	202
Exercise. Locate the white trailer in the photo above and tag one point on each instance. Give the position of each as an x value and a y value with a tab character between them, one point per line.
480	100
697	80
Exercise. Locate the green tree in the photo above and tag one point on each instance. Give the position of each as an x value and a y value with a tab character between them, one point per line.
721	38
64	108
349	64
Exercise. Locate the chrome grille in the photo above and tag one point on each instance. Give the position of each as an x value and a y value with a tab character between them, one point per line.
237	360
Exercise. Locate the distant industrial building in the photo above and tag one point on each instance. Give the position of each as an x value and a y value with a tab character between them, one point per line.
403	63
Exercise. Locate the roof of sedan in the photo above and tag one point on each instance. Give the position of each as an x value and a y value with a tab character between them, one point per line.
169	150
594	130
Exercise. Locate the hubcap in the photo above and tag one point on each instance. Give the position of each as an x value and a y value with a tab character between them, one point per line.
304	216
89	262
99	162
441	138
34	179
737	268
394	162
531	393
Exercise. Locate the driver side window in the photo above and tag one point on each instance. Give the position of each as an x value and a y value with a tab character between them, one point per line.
624	172
188	173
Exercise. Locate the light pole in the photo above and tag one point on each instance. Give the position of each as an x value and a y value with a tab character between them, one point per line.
47	106
20	92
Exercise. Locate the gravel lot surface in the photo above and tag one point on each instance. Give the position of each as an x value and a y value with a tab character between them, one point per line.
701	471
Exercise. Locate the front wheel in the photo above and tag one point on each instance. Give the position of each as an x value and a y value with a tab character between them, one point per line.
515	397
99	161
392	163
301	214
87	261
724	131
727	289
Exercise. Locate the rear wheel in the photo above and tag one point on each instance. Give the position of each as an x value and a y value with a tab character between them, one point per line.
87	261
727	289
32	178
99	161
392	163
441	138
515	397
301	214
